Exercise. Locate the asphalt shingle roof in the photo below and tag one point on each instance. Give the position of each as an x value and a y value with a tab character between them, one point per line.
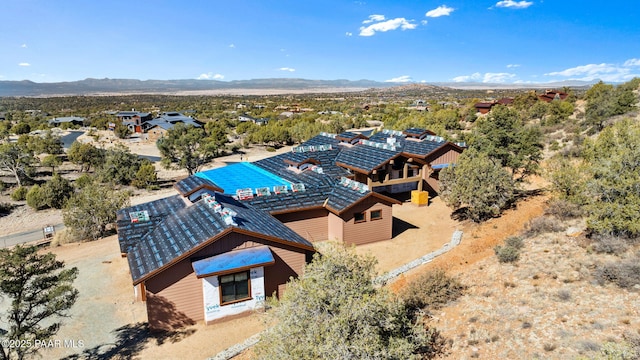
129	233
365	157
187	228
321	140
336	196
193	183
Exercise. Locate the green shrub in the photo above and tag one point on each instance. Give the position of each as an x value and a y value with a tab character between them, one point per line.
83	181
625	274
609	244
146	176
432	290
510	252
563	209
515	242
20	193
271	149
543	224
36	198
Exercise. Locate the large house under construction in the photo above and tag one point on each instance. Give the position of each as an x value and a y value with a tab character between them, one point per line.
233	235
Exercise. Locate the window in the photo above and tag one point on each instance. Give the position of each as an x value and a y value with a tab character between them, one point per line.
376	215
234	287
359	217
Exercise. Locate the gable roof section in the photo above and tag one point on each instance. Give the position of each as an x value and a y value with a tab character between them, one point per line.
364	158
335	198
321	140
327	161
417	132
130	232
350	137
188	230
191	184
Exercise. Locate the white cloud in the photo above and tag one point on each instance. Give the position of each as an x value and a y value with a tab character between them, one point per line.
25	64
486	78
442	10
374	18
384	26
632	62
349	33
590	69
424	22
513	66
514	4
232	45
497	77
400	79
23	45
464	78
604	72
287	69
210	76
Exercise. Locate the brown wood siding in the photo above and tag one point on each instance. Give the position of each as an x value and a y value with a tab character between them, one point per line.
445	156
174	296
288	264
368	231
433	184
310	224
336	227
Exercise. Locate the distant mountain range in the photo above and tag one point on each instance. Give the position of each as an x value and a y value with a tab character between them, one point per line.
254	86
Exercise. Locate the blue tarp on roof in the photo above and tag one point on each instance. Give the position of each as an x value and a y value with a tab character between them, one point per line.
441	166
238	259
241	176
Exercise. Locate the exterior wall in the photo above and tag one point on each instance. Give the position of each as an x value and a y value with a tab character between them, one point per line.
156	132
211	295
444	156
336	227
138	292
175	296
433	183
368	231
310	224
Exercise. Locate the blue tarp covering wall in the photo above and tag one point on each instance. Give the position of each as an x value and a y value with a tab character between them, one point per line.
241	176
238	259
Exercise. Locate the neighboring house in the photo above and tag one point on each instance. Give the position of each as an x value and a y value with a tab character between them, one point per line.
71	120
505	101
257	121
550	95
246	118
159	126
134	120
484	107
262	121
158	130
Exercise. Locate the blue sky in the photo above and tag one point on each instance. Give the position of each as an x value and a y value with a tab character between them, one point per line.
409	41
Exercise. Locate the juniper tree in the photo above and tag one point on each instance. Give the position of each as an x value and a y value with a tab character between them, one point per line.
477	185
335	312
40	292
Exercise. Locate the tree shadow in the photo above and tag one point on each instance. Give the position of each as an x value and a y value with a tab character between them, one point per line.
164	316
399	226
130	340
7	208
